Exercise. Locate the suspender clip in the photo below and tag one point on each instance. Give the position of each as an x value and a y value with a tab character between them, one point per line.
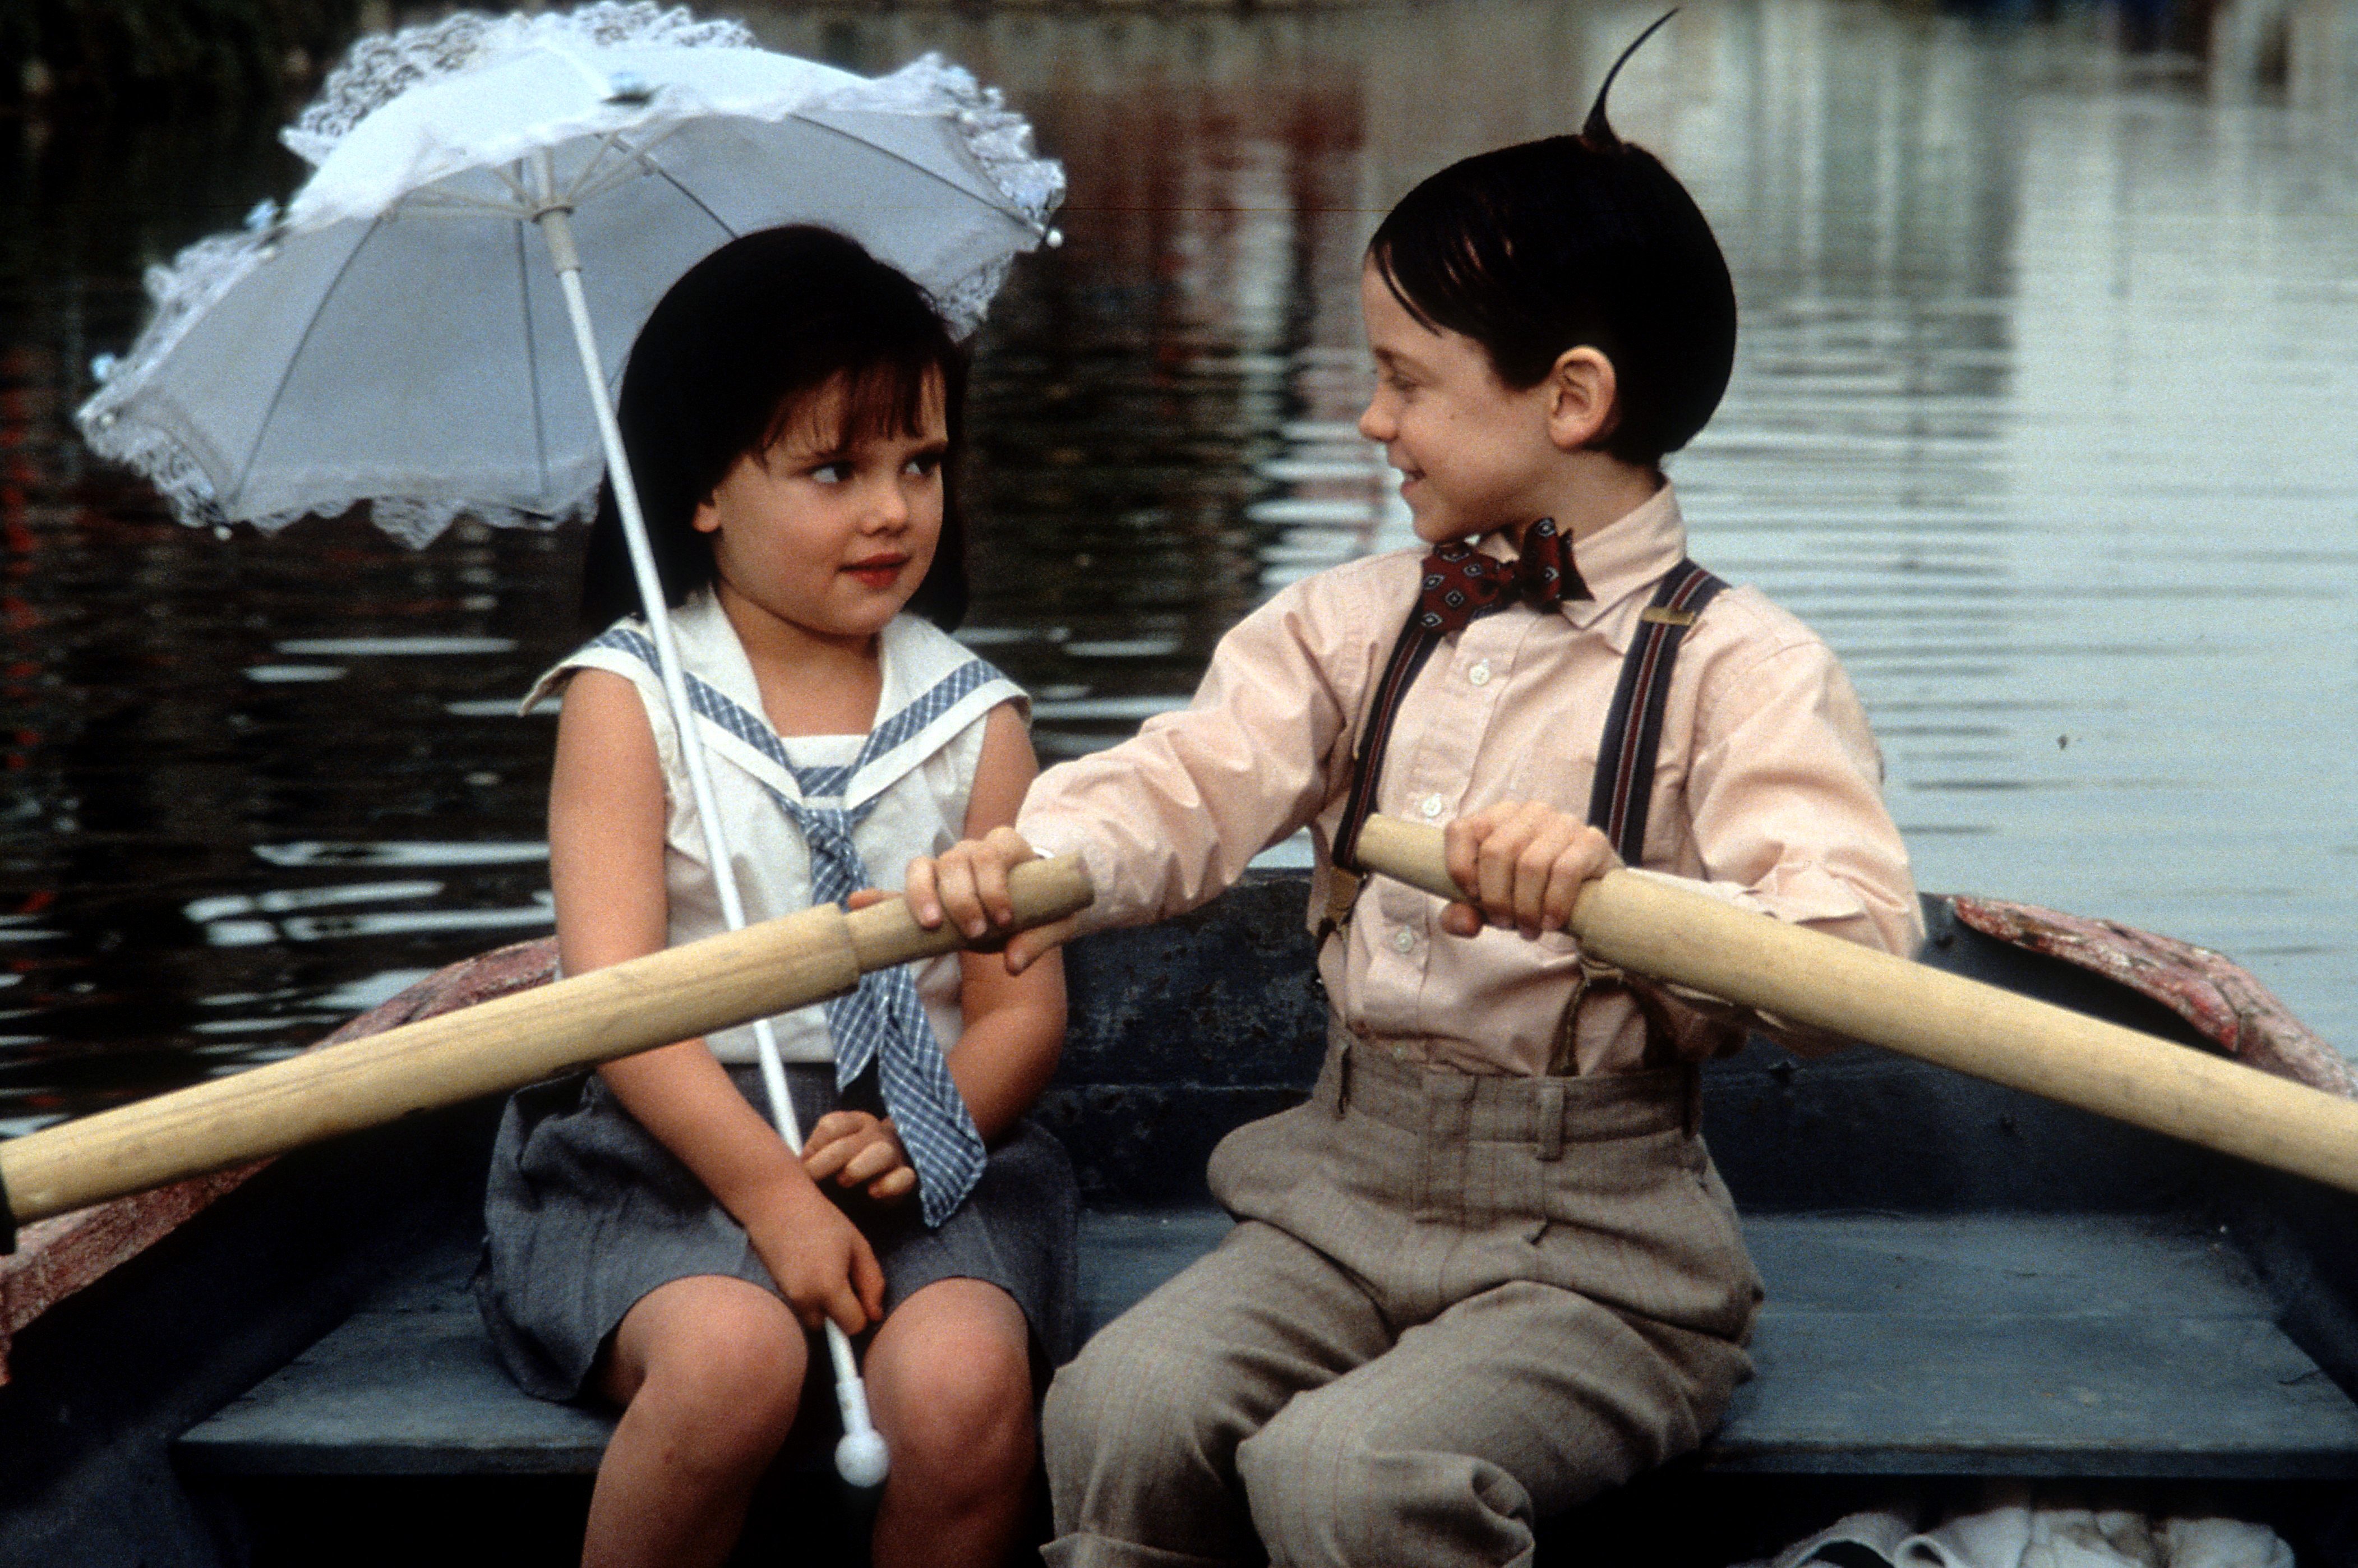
1662	617
1342	898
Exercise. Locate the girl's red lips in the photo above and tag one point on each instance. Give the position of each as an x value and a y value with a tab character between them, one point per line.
879	564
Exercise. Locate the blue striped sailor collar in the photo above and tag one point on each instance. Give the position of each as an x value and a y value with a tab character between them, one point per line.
933	688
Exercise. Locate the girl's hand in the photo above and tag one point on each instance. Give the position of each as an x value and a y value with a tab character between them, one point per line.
824	1266
967	885
1522	863
854	1148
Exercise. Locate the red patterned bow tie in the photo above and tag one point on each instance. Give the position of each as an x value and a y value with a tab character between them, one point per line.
1461	583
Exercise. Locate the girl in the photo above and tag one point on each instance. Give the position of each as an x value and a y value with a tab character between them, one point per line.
791	411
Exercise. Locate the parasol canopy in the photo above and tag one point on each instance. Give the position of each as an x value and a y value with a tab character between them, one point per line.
396	335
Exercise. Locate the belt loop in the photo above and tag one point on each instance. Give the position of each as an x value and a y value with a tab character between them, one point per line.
1343	1079
1549	1108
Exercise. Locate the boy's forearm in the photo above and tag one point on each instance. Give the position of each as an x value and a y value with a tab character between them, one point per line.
1168	820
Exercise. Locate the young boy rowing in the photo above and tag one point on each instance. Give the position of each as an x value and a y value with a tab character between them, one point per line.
1488	1269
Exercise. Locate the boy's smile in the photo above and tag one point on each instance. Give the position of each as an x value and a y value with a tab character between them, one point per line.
1474	454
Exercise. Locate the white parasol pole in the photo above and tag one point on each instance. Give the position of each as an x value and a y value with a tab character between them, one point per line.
860	1457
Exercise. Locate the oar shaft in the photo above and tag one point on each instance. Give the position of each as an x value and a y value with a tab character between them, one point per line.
678	994
1649	927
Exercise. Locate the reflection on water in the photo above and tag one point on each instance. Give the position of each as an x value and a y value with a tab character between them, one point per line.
2051	346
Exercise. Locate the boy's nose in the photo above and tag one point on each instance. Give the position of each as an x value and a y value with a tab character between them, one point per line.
1374	424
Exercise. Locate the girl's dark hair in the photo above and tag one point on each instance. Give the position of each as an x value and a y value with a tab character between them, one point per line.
719	373
1575	240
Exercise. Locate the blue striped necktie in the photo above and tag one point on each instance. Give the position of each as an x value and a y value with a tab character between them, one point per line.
883	1022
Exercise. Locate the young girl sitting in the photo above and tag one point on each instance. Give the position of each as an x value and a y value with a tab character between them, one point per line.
1489	1269
791	412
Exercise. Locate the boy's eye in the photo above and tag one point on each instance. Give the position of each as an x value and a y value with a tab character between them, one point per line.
832	473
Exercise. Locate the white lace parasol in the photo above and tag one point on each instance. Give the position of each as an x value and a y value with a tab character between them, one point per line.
395	336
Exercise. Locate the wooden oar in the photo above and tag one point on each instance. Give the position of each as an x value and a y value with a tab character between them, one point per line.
676	994
1643	926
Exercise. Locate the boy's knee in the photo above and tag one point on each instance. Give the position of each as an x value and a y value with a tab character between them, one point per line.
1328	1490
1122	1404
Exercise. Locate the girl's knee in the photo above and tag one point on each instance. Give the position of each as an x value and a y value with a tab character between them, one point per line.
968	1407
953	1391
729	1368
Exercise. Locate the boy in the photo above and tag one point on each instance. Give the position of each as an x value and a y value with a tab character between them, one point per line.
1488	1270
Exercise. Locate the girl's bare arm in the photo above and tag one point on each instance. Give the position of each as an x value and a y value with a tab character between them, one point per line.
1014	1023
606	817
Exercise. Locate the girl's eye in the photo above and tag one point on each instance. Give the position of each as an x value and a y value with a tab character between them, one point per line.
831	473
924	465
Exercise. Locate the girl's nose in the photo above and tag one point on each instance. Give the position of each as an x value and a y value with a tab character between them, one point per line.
889	509
1374	422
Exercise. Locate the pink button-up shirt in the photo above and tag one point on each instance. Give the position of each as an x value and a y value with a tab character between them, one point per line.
1767	794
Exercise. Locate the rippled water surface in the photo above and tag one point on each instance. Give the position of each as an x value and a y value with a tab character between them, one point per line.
2043	414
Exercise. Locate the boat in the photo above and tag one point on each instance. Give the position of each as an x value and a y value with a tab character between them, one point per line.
1968	1288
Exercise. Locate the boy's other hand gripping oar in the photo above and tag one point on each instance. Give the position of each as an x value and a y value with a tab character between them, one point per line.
1649	926
1523	864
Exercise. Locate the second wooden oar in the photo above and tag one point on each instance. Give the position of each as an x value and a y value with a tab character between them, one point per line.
676	994
1651	927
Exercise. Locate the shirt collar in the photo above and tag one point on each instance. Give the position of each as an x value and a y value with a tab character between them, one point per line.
1621	561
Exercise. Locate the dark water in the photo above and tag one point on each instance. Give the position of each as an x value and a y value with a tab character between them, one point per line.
2043	414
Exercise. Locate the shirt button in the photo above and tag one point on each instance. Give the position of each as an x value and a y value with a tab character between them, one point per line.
1404	939
1432	806
1480	674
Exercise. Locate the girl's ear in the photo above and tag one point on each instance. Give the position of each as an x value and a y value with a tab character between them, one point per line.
1584	399
707	518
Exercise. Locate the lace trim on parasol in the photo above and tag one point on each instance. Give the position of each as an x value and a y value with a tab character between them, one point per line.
380	67
181	293
1001	141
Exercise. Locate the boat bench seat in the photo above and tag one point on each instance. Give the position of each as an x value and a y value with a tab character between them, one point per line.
2001	1345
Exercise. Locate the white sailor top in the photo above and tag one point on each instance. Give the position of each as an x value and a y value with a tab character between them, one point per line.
917	765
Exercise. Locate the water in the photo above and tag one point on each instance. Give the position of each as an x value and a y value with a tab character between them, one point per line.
2042	415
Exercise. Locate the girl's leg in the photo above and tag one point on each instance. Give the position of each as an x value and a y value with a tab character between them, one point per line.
949	1378
709	1370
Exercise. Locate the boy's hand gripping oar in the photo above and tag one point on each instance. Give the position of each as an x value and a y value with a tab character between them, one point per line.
678	994
1647	928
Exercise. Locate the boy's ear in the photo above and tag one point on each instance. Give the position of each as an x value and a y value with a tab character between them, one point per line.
705	519
1584	399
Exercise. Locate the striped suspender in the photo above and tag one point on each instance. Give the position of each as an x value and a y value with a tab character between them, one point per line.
1415	645
1623	786
1622	791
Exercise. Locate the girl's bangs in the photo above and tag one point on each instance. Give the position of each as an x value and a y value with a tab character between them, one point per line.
888	397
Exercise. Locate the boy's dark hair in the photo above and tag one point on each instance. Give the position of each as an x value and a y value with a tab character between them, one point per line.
1575	240
719	372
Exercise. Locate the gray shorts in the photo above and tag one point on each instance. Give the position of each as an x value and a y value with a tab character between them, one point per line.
586	1212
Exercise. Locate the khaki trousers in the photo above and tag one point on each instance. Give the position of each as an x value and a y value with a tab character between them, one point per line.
1451	1303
